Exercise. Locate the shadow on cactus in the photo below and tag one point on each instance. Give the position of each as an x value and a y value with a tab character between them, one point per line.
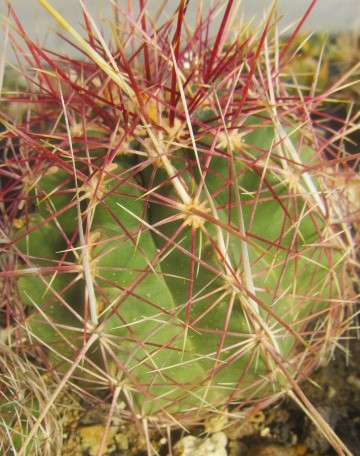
174	238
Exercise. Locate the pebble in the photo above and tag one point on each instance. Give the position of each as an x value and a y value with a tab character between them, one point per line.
214	445
355	381
91	436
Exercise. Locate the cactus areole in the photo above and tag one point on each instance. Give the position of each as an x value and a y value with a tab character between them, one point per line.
176	208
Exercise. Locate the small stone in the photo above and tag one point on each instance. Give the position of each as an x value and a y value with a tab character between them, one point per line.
214	445
265	432
122	441
91	437
355	381
163	441
331	393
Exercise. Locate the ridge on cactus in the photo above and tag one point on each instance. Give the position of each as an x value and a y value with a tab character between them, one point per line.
173	233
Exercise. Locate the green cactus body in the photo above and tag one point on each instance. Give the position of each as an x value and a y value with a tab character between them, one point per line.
176	235
174	303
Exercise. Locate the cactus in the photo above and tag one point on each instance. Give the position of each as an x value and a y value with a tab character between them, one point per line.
173	236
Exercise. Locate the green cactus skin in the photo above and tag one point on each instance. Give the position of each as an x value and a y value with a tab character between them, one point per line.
182	329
